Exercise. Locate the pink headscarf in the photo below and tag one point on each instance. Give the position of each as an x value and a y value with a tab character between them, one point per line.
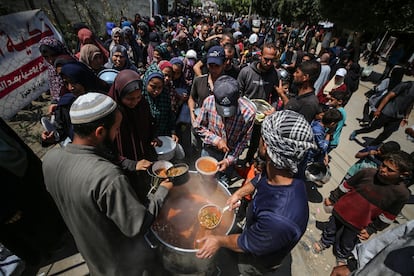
163	64
84	35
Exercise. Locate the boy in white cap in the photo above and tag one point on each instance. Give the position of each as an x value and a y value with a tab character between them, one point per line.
335	84
95	198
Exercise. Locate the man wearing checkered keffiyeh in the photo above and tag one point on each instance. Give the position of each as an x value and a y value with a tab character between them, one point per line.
287	136
278	214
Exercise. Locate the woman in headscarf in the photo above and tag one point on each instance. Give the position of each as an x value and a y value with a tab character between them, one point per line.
86	37
78	79
136	138
161	53
78	74
119	59
154	41
178	74
133	49
142	38
51	48
117	38
92	57
167	70
160	102
183	119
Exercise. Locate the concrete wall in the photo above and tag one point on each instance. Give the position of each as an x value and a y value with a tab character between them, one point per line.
64	13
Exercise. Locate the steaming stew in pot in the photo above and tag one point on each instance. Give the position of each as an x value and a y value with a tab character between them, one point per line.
177	223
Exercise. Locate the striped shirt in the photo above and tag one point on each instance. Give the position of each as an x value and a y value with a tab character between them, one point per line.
235	130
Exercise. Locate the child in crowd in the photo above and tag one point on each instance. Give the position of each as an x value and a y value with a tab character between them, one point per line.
371	157
248	174
337	100
366	203
323	130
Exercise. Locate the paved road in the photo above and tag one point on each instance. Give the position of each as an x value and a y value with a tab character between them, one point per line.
304	262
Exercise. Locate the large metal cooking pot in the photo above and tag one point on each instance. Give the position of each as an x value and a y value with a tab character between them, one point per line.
177	227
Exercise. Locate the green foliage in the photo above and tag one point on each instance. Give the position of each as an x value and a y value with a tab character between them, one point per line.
363	15
238	7
293	10
369	15
267	8
196	3
288	10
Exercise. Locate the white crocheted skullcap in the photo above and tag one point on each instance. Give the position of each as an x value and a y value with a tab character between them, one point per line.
91	107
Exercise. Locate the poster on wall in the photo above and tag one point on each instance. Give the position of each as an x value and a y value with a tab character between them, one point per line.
23	73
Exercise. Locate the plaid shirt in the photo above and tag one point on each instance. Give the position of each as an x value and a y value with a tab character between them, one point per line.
235	131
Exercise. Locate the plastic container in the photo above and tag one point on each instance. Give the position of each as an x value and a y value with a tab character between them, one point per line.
206	165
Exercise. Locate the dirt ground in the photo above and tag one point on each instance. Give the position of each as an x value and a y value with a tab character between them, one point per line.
26	123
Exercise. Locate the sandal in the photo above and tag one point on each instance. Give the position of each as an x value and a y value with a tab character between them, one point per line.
340	261
318	247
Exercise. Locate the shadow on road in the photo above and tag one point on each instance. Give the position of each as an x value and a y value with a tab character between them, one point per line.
314	195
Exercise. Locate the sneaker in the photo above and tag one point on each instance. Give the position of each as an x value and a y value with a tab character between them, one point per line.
340	261
363	123
352	136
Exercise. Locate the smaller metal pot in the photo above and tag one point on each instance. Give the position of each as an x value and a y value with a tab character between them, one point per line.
261	107
155	172
178	174
318	173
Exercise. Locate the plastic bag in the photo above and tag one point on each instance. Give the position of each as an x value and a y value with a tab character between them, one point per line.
10	264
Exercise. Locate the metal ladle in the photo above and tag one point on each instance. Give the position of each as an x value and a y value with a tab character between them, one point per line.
210	215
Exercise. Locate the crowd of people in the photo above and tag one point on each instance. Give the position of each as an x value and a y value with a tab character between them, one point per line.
196	81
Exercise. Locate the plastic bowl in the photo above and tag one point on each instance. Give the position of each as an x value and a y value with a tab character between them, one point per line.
167	150
108	75
206	165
